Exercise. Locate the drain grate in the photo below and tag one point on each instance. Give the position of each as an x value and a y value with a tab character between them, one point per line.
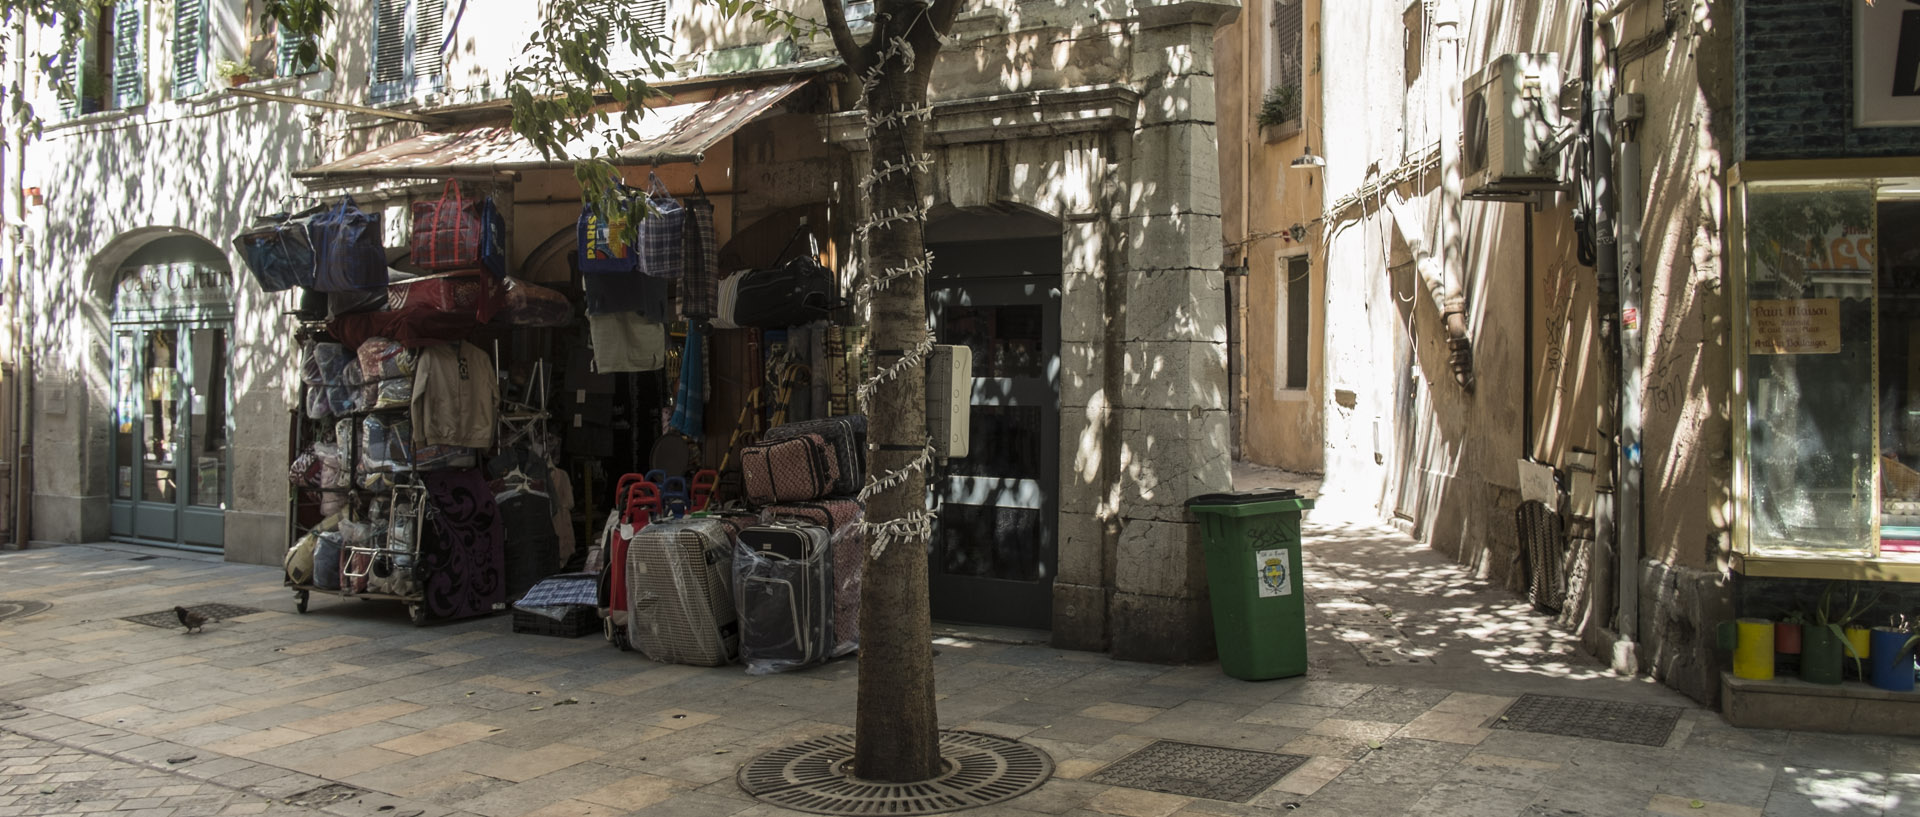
16	609
216	612
1211	772
813	776
1640	724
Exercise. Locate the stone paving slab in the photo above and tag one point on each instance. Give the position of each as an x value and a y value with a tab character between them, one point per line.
468	718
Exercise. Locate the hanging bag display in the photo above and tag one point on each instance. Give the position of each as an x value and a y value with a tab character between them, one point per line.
347	249
493	239
700	288
447	231
604	238
663	239
278	250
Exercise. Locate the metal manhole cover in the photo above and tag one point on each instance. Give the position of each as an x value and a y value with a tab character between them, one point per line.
1641	724
215	612
812	776
15	609
1210	772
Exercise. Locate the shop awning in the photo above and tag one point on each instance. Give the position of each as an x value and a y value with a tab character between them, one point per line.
668	134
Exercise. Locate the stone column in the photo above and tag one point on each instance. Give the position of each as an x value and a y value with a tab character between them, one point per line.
1170	406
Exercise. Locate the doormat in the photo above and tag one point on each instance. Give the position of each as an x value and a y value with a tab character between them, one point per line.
1639	724
1210	772
213	612
16	609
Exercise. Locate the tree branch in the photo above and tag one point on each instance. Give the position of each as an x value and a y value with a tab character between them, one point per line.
850	49
928	38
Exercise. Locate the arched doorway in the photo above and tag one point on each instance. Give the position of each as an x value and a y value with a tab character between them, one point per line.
995	287
172	327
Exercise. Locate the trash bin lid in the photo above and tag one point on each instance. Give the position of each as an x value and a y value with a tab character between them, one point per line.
1243	497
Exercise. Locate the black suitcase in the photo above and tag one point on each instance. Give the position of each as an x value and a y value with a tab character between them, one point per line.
848	437
784	578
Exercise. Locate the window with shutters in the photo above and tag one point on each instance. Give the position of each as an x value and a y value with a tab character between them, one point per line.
408	48
189	47
111	63
287	62
650	13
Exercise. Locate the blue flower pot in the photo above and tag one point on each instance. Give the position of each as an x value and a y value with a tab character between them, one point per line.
1892	661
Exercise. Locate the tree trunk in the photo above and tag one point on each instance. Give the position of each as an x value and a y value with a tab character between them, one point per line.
896	732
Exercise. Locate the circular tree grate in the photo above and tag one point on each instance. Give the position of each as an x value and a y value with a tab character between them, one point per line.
816	776
16	609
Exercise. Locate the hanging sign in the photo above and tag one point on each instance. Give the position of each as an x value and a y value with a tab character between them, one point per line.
1796	327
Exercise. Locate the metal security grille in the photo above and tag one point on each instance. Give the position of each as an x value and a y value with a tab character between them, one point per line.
1639	724
215	612
814	776
1211	772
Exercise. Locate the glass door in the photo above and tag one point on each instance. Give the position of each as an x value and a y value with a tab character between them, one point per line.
993	559
170	421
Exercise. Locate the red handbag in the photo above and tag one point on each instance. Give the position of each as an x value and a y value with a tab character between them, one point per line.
447	231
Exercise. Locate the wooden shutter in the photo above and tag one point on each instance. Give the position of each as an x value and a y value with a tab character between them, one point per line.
129	63
189	47
430	31
389	47
653	14
287	60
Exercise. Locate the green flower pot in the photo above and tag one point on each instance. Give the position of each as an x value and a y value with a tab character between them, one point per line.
1820	652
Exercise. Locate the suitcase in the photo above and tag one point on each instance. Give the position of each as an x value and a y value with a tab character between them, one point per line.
784	583
847	435
795	468
840	518
680	593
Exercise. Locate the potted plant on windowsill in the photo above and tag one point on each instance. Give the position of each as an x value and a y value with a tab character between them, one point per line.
235	73
1279	115
1824	644
1893	647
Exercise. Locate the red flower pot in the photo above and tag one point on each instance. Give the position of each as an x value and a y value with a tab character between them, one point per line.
1786	639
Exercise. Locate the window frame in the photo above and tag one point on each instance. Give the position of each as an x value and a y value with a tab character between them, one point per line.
411	85
1287	336
1867	562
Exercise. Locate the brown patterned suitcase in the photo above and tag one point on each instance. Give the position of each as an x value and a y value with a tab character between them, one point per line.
788	470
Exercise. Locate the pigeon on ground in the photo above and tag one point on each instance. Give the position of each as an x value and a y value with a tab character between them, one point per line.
192	620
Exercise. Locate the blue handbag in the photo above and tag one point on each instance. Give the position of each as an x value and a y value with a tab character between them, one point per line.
347	248
278	251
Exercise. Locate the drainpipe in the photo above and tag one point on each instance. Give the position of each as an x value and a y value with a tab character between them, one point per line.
15	225
1452	299
1608	523
1632	366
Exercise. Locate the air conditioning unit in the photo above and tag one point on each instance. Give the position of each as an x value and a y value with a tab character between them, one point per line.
1509	114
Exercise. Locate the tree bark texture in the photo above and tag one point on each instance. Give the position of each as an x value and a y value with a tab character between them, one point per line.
896	727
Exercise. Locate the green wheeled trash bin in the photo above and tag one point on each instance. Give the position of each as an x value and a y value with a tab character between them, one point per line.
1252	540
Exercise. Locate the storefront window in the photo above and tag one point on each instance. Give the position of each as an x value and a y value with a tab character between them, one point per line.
1828	369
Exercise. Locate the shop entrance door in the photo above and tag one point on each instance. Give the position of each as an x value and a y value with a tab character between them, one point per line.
169	458
993	558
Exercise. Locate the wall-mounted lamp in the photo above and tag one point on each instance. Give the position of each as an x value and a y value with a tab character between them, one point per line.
1309	159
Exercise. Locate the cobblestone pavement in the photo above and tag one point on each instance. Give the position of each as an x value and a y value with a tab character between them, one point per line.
468	718
45	777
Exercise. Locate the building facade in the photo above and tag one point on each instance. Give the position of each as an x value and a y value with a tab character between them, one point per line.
1076	214
1550	249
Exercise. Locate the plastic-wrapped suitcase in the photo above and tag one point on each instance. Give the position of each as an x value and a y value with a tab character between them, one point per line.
784	581
839	517
680	592
848	436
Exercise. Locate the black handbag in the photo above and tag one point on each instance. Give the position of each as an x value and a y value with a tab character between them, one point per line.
278	250
793	293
